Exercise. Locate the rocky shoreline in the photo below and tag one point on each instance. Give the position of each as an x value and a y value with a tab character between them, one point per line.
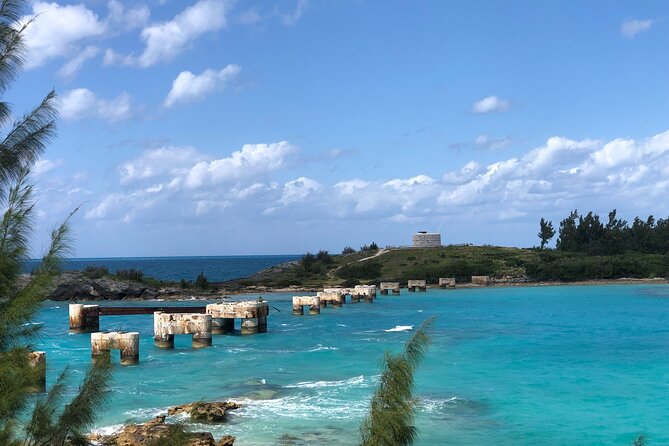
157	429
76	286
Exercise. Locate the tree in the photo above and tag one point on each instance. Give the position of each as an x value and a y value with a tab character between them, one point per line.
201	281
20	148
546	232
392	410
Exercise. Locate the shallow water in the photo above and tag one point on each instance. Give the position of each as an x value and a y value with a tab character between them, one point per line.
507	366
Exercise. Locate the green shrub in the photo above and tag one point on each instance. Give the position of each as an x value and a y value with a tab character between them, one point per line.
96	272
201	281
361	270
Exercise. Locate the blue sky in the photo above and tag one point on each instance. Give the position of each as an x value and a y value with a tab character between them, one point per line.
218	127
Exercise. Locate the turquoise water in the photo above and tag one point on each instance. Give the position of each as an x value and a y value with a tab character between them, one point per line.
507	366
217	268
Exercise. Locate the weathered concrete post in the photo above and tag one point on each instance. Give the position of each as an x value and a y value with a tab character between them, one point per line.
126	342
481	280
37	361
84	318
166	325
420	285
220	325
447	282
392	286
334	298
314	303
253	315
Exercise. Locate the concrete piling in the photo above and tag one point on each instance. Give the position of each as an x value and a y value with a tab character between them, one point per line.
84	318
314	303
420	285
389	286
481	280
447	282
126	342
336	299
253	315
166	325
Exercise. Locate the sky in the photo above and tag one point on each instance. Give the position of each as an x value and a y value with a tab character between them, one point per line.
220	127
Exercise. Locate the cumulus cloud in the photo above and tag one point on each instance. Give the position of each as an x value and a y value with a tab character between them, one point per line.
83	103
153	163
559	175
61	31
189	87
57	29
164	41
251	160
631	27
490	104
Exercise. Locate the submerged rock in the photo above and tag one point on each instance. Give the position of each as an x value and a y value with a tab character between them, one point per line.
151	432
208	412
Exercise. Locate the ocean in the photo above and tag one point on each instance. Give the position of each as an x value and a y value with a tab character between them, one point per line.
567	365
217	269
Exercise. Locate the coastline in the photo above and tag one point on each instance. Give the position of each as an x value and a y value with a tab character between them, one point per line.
254	290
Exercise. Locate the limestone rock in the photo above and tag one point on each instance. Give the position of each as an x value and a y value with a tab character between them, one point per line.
208	412
72	285
154	430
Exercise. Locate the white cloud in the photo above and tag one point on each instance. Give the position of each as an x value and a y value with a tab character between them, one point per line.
57	29
298	190
83	103
178	184
188	87
126	19
251	160
44	165
632	27
291	18
166	40
490	104
72	67
486	142
172	161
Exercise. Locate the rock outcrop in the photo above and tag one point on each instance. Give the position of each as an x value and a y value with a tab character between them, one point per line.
207	412
72	285
151	432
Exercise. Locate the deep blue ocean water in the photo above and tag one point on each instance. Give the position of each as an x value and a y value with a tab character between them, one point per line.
566	365
217	269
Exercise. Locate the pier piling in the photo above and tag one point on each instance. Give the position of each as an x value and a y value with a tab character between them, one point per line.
166	325
126	342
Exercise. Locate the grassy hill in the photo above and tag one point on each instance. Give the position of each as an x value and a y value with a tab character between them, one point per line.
461	262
